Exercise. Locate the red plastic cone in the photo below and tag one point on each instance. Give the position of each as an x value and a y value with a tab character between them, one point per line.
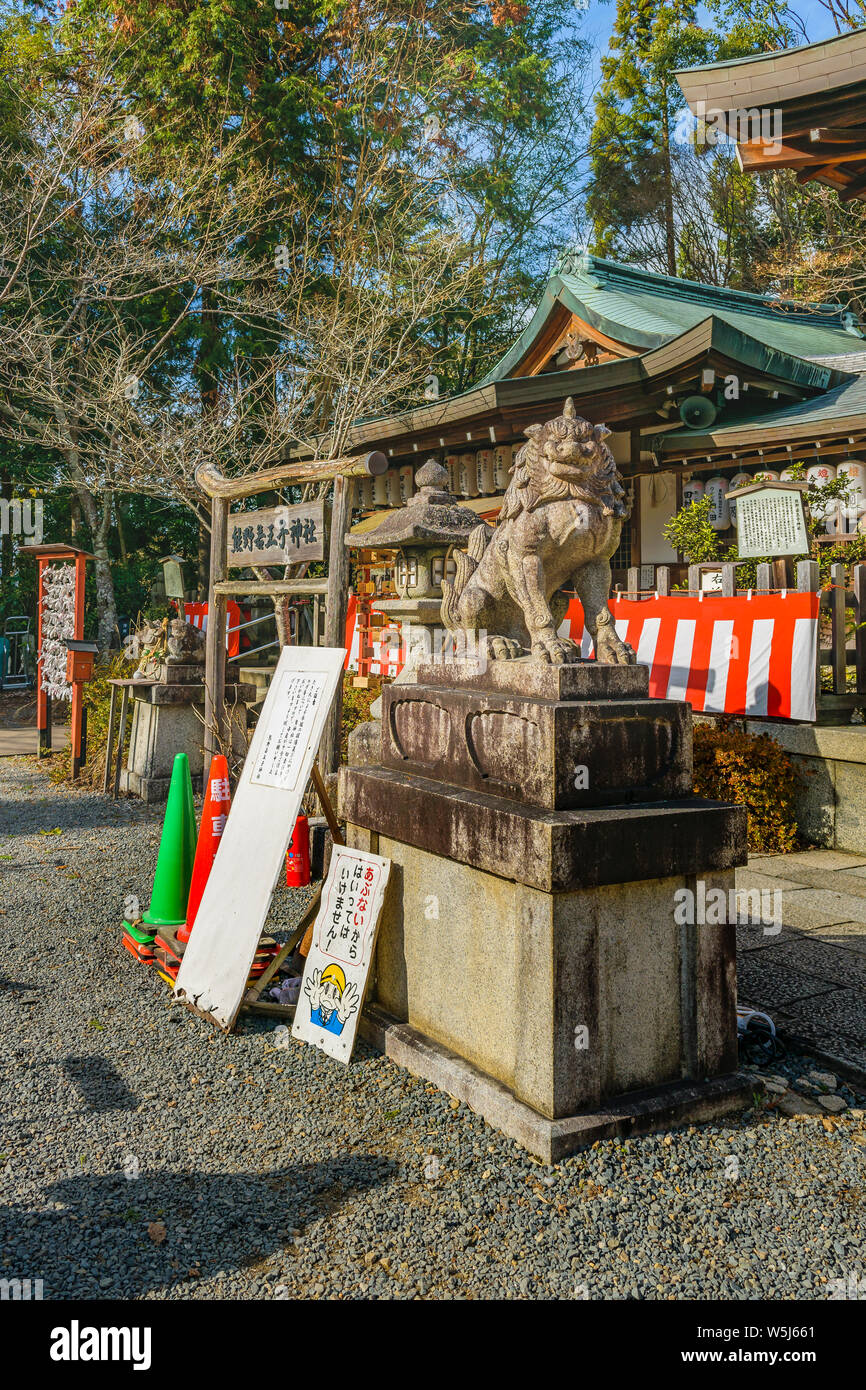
298	856
213	818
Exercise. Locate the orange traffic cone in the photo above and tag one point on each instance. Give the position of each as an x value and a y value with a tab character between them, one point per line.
213	818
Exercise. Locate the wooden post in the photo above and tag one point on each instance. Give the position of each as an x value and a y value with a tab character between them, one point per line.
43	703
663	581
729	581
780	573
764	583
694	579
112	721
124	704
633	580
215	637
808	582
75	729
837	611
77	721
335	612
860	629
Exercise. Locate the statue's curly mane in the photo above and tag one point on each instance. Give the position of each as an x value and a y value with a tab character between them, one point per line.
533	483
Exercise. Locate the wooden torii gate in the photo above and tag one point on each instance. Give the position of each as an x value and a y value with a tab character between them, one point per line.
222	491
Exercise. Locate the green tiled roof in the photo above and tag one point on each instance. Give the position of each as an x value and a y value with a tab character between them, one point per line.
645	310
804	418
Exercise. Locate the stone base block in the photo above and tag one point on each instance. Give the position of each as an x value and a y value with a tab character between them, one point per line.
162	729
642	1112
831	799
558	754
556	851
570	1000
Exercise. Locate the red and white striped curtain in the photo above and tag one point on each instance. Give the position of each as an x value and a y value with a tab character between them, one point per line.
753	655
750	656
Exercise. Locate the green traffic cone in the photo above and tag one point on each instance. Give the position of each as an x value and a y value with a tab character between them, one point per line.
176	852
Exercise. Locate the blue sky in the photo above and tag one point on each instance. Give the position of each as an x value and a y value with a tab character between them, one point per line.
599	17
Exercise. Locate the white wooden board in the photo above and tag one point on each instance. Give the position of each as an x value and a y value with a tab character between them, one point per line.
252	853
338	963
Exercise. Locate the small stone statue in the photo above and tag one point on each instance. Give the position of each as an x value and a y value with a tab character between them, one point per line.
559	525
171	642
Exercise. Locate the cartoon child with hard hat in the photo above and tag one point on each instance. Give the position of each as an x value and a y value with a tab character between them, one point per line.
332	1001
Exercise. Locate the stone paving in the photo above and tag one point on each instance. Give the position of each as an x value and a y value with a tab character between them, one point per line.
810	975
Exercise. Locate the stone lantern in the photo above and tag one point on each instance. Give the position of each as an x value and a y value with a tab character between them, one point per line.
422	534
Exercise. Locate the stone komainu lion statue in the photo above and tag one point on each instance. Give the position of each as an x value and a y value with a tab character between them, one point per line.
559	525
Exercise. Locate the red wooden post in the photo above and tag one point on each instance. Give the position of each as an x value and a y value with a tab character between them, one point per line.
77	686
43	707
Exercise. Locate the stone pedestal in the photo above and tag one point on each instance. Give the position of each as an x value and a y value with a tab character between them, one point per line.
168	718
540	820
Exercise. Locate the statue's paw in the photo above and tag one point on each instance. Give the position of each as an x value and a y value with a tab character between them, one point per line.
503	649
610	650
559	651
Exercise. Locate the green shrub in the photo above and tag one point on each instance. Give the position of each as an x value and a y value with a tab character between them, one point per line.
755	772
356	707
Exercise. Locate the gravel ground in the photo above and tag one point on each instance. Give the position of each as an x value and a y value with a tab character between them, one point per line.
143	1155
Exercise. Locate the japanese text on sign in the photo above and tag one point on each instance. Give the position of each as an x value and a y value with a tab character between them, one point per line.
347	920
277	535
771	522
288	730
338	963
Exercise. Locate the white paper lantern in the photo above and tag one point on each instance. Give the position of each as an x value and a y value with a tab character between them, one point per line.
452	463
407	484
720	516
485	472
393	482
819	474
738	480
693	491
468	475
855	508
380	490
502	459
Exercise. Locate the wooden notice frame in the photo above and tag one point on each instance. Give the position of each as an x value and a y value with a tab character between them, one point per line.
219	955
46	555
770	519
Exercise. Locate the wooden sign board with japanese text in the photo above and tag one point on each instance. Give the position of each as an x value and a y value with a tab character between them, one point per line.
252	853
770	521
338	963
277	535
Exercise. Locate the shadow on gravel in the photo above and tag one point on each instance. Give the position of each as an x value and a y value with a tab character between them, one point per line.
99	1083
214	1223
87	812
16	985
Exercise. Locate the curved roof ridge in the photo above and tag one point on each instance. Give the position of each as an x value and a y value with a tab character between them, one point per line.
615	273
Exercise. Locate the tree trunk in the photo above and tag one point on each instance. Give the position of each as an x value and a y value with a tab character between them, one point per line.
335	618
670	232
99	521
203	562
7	552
